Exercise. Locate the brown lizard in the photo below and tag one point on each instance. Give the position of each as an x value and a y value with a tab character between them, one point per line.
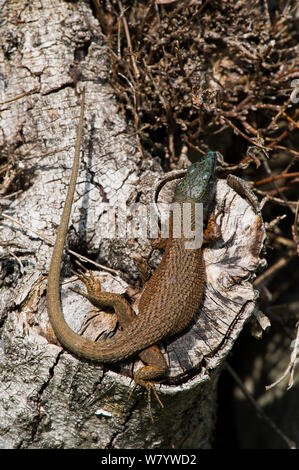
170	298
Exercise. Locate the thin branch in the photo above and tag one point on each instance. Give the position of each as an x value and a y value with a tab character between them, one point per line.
237	130
50	242
273	270
260	412
291	365
276	200
276	177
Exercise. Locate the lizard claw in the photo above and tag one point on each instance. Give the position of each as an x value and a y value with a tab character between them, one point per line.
150	387
92	284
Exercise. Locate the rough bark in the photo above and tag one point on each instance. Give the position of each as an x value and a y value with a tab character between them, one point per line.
48	397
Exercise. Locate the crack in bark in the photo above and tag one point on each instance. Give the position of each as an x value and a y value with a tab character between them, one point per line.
58	88
38	418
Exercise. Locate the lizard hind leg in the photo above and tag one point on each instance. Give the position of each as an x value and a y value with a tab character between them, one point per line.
150	387
123	310
155	364
154	369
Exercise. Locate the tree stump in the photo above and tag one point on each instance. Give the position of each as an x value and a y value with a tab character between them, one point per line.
48	397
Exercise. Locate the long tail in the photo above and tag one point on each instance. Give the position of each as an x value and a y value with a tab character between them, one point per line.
75	343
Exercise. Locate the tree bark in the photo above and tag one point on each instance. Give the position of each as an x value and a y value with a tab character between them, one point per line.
48	397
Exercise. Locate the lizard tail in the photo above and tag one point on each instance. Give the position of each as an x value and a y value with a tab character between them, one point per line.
67	337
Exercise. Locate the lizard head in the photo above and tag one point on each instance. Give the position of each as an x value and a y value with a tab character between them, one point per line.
198	183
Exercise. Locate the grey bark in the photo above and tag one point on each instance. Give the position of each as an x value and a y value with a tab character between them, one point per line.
48	398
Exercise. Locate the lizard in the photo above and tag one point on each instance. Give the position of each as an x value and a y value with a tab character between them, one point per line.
170	298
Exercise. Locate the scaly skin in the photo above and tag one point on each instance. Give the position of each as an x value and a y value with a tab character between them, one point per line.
170	299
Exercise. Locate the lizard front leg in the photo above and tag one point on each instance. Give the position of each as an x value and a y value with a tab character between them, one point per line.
212	231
